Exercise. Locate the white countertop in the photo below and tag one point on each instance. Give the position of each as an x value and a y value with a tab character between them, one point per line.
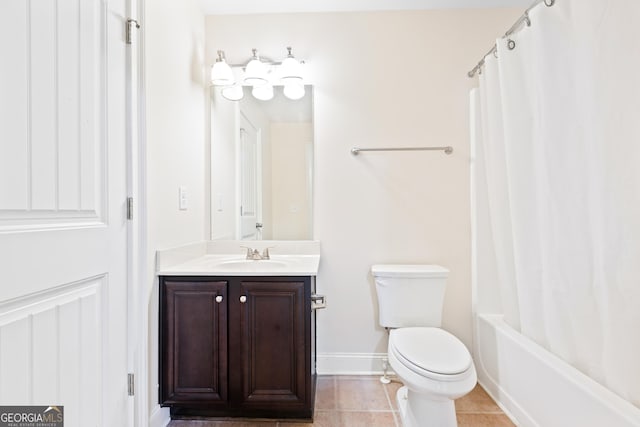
228	258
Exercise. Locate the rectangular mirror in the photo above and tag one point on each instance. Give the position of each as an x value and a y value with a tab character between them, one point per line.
261	167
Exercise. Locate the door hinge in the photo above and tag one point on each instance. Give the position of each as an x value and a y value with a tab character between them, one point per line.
130	384
130	208
130	24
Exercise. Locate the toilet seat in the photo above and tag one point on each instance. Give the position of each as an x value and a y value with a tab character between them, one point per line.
431	352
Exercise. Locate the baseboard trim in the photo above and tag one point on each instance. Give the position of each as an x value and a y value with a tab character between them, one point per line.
159	417
351	363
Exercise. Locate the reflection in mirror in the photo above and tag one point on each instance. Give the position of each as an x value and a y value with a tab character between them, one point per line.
261	167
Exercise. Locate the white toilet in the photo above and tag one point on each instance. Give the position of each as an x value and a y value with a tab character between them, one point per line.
434	366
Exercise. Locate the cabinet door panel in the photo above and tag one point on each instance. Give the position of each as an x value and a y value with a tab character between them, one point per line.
195	342
273	342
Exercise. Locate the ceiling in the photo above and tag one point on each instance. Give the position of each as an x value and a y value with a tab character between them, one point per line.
226	7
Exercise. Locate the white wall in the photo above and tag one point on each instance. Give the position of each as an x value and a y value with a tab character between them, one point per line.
381	79
176	152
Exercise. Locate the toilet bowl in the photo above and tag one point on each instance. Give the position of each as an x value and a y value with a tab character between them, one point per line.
434	366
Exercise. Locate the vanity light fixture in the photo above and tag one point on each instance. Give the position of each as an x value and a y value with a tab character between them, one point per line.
255	73
291	69
261	74
221	72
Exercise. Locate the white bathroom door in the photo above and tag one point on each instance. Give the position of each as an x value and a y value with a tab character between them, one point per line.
250	181
63	190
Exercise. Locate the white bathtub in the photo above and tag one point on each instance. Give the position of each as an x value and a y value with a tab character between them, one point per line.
536	388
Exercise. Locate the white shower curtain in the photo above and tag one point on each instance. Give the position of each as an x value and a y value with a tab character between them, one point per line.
560	118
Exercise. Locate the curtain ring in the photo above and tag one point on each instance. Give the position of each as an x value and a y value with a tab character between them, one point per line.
527	19
551	3
511	44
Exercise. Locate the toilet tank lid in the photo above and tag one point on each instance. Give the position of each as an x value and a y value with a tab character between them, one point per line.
408	270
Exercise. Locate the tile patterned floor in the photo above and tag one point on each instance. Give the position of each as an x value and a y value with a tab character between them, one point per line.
362	401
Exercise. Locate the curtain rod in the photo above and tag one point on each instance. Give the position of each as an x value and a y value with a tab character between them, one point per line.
522	20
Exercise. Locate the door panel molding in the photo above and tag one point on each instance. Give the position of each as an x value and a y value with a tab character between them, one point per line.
53	163
51	348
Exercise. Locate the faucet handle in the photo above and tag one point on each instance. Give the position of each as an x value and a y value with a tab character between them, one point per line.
265	252
249	251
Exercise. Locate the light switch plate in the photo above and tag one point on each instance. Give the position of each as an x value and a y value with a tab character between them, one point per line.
182	198
220	202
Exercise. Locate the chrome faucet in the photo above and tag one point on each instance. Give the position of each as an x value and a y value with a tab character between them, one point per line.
254	254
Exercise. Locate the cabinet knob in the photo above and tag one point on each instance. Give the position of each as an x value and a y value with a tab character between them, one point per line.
243	299
219	298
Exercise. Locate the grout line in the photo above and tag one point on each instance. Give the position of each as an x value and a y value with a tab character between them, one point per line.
386	393
335	393
396	415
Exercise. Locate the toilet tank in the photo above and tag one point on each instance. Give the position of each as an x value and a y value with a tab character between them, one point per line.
410	295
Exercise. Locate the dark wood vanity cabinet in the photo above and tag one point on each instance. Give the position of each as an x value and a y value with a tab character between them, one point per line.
237	346
193	342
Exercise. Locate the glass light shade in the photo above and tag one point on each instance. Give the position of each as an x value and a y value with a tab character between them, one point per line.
221	74
263	92
294	90
290	70
233	93
255	73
